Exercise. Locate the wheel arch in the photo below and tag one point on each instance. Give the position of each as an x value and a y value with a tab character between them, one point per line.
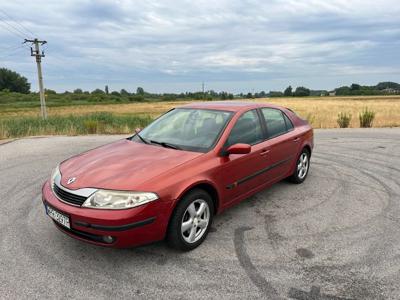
206	186
304	146
308	148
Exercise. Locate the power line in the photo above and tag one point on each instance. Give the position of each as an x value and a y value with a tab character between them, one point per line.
14	50
20	24
10	29
12	26
9	47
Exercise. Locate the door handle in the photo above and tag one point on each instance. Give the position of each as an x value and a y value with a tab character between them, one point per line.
296	139
264	152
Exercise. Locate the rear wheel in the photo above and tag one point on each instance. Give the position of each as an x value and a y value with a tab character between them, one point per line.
302	166
191	220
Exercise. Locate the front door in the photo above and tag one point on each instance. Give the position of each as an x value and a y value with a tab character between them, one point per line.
239	172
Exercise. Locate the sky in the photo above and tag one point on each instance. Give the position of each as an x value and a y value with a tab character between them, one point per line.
175	45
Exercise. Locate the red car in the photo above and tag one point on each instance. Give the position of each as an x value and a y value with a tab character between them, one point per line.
171	178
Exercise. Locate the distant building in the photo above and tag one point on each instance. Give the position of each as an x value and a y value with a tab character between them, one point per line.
390	91
332	93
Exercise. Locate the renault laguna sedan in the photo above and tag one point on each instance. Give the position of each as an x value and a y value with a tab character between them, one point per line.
168	180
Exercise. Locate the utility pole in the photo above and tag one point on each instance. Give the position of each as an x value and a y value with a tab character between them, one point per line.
38	55
202	88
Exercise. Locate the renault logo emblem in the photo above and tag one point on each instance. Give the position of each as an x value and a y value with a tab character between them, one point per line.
71	180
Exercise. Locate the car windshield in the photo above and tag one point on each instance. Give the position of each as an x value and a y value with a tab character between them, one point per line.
186	129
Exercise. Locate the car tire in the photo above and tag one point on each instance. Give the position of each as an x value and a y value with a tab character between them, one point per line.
191	221
302	167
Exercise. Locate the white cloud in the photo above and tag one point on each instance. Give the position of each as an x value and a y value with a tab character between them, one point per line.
92	43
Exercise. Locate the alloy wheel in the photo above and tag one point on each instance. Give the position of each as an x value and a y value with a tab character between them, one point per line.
195	221
302	165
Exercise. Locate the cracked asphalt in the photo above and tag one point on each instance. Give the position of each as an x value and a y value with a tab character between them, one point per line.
336	236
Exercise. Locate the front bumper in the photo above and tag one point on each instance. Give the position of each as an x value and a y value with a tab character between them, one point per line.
130	227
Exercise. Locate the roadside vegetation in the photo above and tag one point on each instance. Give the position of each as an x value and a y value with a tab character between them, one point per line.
366	118
125	117
94	123
344	120
102	111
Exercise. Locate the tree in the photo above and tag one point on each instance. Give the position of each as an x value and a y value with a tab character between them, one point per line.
343	91
49	92
13	81
275	94
288	91
388	85
140	91
301	91
98	92
355	87
78	91
124	92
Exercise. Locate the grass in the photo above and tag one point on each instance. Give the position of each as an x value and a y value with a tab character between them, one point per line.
343	120
100	122
366	118
84	118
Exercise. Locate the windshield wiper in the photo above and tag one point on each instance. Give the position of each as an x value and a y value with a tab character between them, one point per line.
166	145
142	138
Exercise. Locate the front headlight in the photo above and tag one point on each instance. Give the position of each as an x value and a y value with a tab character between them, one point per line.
105	199
54	174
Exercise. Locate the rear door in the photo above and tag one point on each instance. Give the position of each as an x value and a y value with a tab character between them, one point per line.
239	172
282	143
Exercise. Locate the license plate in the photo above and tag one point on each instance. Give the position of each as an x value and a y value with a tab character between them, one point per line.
57	216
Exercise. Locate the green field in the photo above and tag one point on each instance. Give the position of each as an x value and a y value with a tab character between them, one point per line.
75	114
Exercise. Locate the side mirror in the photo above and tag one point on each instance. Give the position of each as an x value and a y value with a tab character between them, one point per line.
238	149
137	130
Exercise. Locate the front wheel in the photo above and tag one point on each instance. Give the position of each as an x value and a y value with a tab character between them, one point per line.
191	221
302	166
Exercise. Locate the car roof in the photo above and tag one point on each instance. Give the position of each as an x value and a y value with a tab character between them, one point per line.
229	105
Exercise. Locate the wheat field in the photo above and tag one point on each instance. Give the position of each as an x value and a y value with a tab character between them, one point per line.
322	112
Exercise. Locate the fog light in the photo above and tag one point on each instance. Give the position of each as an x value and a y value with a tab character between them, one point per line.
108	239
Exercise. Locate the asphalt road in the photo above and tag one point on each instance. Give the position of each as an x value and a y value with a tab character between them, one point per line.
336	236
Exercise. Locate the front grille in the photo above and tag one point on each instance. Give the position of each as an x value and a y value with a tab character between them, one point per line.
68	197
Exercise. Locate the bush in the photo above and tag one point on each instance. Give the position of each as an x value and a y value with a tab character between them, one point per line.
90	126
366	118
343	120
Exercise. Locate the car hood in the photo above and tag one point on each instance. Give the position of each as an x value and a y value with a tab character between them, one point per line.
122	165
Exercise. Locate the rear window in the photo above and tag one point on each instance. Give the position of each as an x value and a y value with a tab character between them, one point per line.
276	121
289	124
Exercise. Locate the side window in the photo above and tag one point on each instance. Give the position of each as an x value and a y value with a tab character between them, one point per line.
289	124
247	130
275	121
